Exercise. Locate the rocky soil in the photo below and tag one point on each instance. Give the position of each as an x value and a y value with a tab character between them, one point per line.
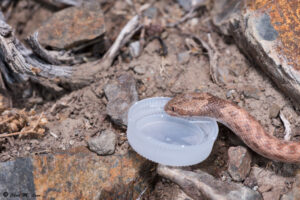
172	59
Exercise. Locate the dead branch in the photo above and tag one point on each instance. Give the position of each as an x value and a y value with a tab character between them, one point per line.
191	14
62	3
19	64
125	35
213	54
40	51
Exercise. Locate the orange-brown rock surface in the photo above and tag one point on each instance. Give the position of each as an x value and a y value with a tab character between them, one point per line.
268	32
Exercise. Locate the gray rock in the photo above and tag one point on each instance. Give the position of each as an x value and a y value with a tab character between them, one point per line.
185	4
201	185
239	163
135	49
231	94
271	186
104	144
121	94
250	91
189	4
259	29
140	69
15	177
274	110
183	57
150	12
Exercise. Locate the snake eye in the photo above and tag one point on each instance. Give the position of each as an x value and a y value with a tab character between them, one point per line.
173	109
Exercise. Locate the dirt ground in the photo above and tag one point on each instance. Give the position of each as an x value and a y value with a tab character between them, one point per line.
81	114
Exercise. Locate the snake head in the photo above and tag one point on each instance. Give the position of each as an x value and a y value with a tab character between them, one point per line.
189	104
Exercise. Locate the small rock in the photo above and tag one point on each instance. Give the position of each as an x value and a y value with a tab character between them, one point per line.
201	185
72	26
140	69
104	144
189	4
274	110
27	93
276	122
239	163
150	12
121	94
231	94
183	57
135	49
251	92
271	185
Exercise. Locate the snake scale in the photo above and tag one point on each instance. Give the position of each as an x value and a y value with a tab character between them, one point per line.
239	121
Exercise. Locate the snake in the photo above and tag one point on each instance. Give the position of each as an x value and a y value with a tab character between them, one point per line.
244	125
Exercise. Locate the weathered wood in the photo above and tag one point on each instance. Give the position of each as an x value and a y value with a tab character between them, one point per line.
20	64
5	29
62	3
40	51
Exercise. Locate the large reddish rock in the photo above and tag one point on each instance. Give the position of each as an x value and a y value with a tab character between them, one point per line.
72	26
268	32
74	174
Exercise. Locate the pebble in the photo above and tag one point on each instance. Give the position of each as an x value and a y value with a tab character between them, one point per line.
150	12
251	92
231	94
188	4
121	94
183	57
104	144
274	110
135	49
276	122
140	69
202	185
72	26
239	163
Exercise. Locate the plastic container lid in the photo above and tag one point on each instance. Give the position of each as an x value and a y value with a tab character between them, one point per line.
169	140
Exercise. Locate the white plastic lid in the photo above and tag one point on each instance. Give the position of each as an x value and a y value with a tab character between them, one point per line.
166	139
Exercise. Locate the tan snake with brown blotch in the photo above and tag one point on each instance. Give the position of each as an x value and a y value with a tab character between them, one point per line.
239	121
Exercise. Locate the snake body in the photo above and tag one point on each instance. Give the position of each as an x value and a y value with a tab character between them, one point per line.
239	121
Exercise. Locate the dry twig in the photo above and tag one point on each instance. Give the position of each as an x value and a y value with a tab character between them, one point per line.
28	130
125	35
287	127
213	55
191	14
